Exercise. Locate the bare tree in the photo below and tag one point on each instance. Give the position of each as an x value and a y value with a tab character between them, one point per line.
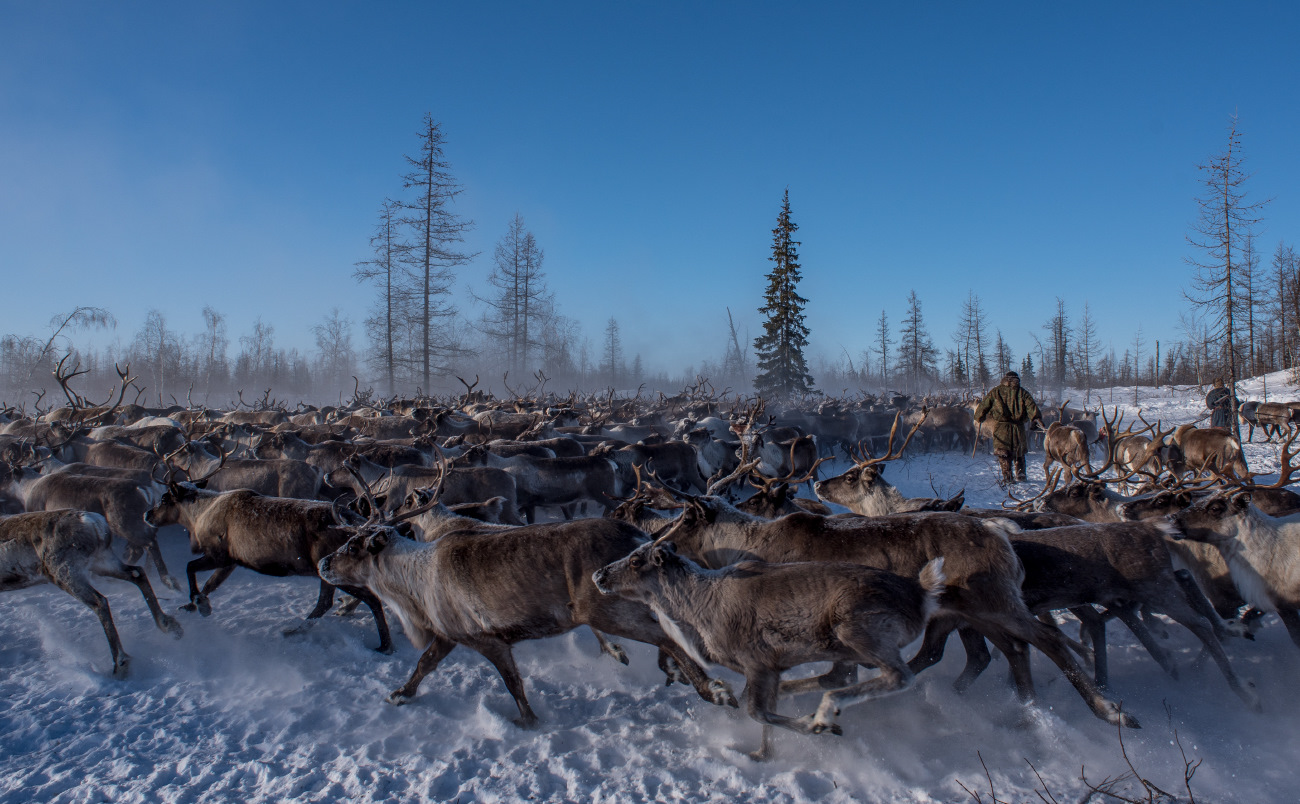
436	230
28	360
1224	218
1284	277
336	359
1138	343
1054	354
971	341
158	350
521	297
735	360
212	347
1248	298
883	342
388	267
258	363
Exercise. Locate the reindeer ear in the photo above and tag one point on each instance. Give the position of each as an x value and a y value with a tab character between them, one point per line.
376	542
662	551
1241	501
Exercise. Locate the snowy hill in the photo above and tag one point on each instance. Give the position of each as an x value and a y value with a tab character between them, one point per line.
236	712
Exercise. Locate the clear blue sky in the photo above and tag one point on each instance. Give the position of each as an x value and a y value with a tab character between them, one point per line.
173	155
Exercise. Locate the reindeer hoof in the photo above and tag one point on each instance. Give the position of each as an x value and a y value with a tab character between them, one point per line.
122	668
618	653
397	698
189	607
171	626
387	650
721	694
171	583
527	723
1117	717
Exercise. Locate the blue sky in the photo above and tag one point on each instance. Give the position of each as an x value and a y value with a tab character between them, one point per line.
172	155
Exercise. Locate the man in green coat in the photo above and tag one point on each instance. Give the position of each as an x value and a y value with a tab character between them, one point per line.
1009	406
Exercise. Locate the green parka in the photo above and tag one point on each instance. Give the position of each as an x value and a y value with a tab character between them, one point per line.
1009	407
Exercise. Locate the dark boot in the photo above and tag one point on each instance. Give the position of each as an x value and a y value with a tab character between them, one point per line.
1020	470
1004	462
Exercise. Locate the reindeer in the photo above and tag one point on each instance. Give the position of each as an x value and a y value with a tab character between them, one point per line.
864	490
783	450
1205	451
122	503
269	535
462	485
65	548
489	590
674	462
762	619
1067	445
1262	552
984	576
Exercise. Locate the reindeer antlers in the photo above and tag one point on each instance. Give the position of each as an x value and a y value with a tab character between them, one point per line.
890	455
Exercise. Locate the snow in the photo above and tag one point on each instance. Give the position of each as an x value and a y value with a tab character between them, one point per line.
236	711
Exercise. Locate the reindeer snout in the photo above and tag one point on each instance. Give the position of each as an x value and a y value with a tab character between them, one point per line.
598	578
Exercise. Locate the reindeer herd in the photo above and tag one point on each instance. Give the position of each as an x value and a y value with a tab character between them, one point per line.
671	521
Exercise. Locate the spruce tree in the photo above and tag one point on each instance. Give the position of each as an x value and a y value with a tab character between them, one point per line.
782	369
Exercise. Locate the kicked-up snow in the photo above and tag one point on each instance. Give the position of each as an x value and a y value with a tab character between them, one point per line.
235	711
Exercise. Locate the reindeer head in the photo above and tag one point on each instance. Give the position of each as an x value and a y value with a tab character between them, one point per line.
639	575
863	488
1215	519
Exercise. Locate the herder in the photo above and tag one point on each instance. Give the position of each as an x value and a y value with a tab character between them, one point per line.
1009	406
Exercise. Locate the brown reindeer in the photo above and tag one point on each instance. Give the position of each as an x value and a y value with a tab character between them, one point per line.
65	548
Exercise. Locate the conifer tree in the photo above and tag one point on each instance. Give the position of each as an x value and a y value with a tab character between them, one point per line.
917	357
782	369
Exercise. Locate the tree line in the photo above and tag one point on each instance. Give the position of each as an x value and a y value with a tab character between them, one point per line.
1242	319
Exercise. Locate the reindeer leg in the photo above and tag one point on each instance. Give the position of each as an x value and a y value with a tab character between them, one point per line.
1186	616
79	586
841	674
894	677
936	637
160	566
136	575
1094	625
1053	643
1292	622
347	606
199	600
499	654
977	658
1202	606
609	648
761	688
377	611
429	660
324	600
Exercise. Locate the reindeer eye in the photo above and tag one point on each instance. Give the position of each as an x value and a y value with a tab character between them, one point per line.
636	561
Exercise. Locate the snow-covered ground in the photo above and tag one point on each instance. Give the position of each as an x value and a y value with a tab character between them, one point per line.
237	712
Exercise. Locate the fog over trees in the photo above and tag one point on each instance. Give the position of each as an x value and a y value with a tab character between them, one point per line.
438	312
